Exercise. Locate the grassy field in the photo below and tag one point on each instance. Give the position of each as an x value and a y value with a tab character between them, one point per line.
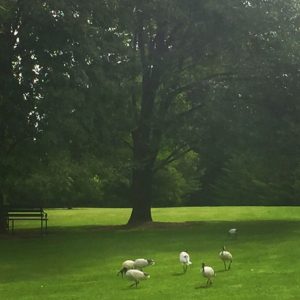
82	253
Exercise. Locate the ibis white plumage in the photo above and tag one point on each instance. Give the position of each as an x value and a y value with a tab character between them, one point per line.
136	276
232	232
141	263
126	265
208	272
226	256
184	258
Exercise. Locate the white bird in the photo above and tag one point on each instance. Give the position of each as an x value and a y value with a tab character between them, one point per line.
208	272
126	265
141	263
136	276
184	258
226	256
232	232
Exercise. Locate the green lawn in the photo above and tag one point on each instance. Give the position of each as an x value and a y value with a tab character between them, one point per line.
79	258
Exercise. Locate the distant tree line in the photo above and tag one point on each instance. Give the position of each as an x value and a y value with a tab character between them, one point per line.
133	103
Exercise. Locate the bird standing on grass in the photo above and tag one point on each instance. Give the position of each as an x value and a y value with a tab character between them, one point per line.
184	258
136	276
126	265
226	256
141	263
208	272
232	232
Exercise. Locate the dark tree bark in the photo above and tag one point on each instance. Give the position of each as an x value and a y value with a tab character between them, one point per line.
152	39
144	156
3	220
144	137
141	196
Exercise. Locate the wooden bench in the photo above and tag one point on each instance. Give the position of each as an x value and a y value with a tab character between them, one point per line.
32	214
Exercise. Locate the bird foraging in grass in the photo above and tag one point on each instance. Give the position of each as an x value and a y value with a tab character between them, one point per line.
208	272
136	276
184	258
141	263
226	256
126	265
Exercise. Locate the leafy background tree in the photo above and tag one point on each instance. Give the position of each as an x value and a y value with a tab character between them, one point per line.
142	103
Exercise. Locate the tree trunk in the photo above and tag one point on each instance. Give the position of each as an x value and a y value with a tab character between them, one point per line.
142	177
141	197
145	137
3	220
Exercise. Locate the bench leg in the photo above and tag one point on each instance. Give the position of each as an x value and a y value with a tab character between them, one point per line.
44	227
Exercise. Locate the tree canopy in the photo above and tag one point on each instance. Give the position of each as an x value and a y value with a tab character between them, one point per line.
142	103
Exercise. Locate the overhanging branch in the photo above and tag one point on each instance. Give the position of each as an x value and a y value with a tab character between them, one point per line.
174	155
192	85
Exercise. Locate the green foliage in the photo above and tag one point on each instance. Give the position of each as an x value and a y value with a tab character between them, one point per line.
251	179
60	182
216	78
174	184
63	90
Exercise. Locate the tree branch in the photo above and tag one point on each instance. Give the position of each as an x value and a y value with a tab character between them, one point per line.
174	155
140	40
189	86
127	143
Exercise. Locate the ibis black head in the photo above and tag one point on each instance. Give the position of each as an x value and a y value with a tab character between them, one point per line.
146	274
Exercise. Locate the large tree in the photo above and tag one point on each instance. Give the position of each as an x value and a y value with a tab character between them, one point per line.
178	47
17	120
182	51
46	50
89	77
